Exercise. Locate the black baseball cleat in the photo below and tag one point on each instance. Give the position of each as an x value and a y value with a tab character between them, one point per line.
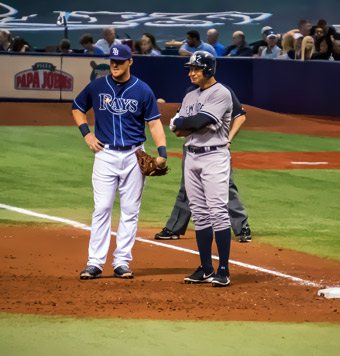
221	279
90	272
199	276
245	235
123	272
166	234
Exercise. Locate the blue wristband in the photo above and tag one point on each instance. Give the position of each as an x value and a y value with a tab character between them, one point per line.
84	129
162	151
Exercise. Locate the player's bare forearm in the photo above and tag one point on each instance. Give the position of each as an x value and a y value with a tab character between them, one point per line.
236	125
157	132
91	140
79	117
184	53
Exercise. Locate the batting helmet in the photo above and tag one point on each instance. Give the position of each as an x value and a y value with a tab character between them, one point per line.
204	60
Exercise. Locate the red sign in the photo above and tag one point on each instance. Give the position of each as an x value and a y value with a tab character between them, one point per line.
43	76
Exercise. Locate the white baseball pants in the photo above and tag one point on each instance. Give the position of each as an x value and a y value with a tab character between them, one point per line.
112	171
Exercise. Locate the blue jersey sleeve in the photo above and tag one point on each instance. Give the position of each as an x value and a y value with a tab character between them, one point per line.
83	102
151	108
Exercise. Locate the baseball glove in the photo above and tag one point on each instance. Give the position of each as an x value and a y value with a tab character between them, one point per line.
149	166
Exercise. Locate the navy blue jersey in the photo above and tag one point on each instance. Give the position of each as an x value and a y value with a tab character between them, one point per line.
120	109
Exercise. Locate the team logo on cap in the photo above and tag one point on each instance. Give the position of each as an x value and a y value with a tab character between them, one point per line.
115	51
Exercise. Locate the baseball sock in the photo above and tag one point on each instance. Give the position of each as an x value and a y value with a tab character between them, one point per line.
223	238
204	239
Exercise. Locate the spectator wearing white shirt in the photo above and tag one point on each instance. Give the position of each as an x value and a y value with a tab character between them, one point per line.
272	50
109	39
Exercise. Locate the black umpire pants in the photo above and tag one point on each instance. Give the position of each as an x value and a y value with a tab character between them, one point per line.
180	215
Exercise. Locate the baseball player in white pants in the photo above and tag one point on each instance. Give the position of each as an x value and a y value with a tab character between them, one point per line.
122	105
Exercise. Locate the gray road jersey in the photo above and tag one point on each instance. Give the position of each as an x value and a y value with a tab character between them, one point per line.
216	102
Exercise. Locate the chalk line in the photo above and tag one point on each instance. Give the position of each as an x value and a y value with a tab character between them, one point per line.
310	163
79	225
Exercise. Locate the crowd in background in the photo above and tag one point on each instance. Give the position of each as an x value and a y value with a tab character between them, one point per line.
306	42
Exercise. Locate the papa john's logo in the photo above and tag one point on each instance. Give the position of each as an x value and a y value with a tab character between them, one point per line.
43	76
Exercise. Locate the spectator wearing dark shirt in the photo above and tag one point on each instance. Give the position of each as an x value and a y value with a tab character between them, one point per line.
239	48
20	45
64	46
328	30
325	49
336	47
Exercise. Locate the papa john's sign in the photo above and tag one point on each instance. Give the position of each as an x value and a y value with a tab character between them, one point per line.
43	76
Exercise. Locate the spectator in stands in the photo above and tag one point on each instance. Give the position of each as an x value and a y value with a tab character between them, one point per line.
336	47
239	48
298	37
148	45
64	46
212	39
328	30
287	46
317	32
262	42
109	38
307	48
193	44
5	40
304	27
19	45
272	50
137	47
325	49
86	40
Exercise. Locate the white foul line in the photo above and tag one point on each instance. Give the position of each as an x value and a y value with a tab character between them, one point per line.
79	225
310	163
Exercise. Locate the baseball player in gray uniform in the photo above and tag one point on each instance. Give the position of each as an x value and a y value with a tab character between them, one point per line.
206	114
180	216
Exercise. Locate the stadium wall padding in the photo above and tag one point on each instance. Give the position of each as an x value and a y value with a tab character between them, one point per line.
286	86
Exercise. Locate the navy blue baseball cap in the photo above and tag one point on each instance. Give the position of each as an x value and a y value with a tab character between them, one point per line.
120	52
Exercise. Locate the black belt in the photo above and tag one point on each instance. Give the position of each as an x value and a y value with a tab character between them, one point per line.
122	148
195	149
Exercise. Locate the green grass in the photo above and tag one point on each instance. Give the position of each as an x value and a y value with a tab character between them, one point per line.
296	209
33	335
278	142
48	169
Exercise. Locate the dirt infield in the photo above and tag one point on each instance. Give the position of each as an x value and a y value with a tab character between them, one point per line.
282	160
59	114
41	264
40	269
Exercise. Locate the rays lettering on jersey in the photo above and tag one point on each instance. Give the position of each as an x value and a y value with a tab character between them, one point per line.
193	109
117	105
